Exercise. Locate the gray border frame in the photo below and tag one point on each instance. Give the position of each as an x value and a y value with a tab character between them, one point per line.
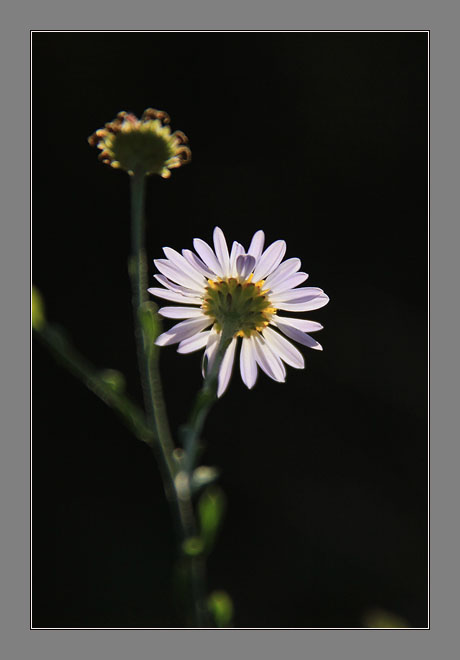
232	31
17	641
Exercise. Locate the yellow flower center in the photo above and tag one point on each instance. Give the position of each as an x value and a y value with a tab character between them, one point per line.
241	304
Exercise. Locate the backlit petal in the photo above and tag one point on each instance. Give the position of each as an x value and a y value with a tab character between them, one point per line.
226	367
248	365
269	260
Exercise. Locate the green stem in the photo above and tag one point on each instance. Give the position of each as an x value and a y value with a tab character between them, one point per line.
177	489
66	355
138	273
204	402
147	352
192	433
78	366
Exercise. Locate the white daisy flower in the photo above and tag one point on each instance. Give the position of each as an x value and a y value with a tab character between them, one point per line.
244	290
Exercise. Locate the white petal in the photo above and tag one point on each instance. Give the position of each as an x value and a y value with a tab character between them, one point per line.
302	294
284	349
175	296
175	287
285	269
226	367
270	260
209	354
300	324
315	303
194	343
181	312
173	273
244	265
182	331
267	361
221	250
237	249
198	263
248	365
208	256
289	283
257	244
299	336
183	265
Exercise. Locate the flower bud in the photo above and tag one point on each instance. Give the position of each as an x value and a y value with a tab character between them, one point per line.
142	146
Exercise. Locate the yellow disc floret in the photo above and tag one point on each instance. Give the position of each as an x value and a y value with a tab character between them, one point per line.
240	304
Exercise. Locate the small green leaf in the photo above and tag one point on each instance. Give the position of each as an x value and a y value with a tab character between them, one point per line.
211	508
38	309
193	546
221	607
114	379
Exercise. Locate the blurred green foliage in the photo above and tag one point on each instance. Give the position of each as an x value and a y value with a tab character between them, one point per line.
211	509
382	619
221	607
193	546
114	379
38	309
203	476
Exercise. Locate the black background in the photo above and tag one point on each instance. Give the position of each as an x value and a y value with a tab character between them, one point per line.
317	138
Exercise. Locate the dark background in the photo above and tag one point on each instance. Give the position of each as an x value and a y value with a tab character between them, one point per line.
317	138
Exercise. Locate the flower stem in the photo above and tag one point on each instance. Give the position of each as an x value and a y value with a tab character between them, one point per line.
177	490
66	354
147	352
204	402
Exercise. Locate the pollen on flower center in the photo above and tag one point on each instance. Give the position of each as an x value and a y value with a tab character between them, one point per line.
240	303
